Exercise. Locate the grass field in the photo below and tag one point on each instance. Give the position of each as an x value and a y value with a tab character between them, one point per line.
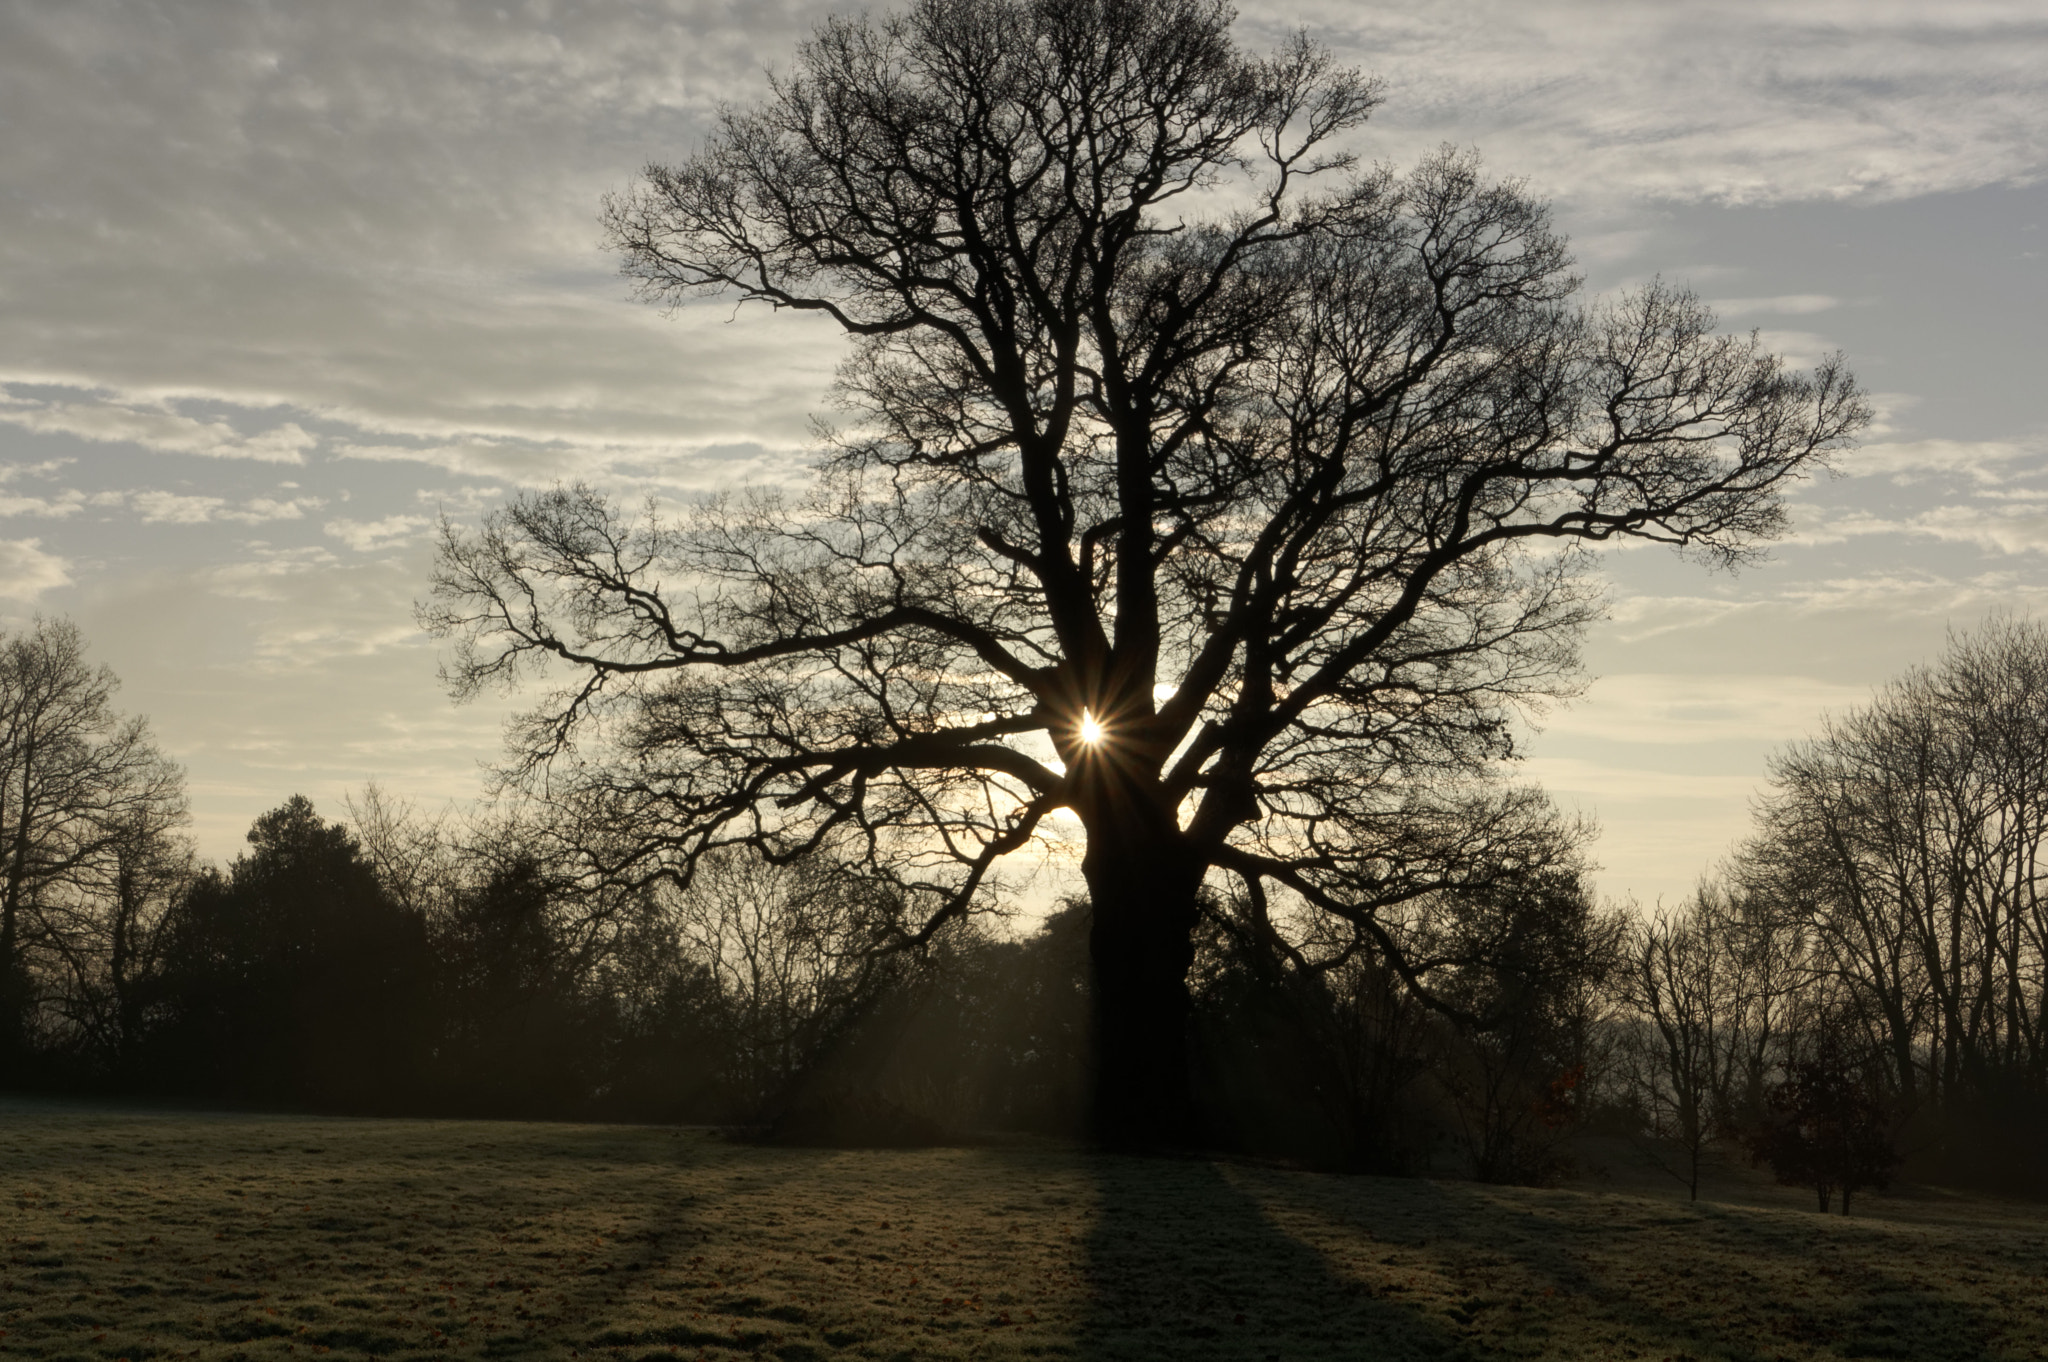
135	1233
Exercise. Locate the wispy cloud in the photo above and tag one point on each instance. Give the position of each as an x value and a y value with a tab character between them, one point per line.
2013	528
369	536
1891	593
1977	461
307	605
1800	349
1613	784
468	498
66	503
27	570
1661	709
1785	305
263	575
109	419
1821	526
2009	526
1742	101
1644	617
179	508
15	472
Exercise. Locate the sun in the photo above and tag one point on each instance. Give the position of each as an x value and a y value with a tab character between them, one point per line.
1091	731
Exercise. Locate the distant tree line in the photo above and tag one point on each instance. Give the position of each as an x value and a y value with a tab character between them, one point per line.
1866	981
389	961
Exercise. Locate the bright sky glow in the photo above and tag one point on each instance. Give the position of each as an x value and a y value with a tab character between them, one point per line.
285	283
1091	731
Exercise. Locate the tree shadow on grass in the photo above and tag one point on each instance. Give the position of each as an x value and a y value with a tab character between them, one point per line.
1626	1278
1183	1264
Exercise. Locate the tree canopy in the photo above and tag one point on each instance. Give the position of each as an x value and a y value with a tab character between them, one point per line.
1196	482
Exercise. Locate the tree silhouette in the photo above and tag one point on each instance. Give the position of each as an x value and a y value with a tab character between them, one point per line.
84	795
1678	980
1827	1126
518	1035
1195	482
1546	956
294	976
1907	838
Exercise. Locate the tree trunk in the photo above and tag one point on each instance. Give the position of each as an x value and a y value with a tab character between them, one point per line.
13	978
1142	892
120	964
13	996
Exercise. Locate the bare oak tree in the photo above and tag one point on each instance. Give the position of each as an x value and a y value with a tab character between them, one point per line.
1196	482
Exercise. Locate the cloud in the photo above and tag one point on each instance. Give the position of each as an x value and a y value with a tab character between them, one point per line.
373	535
14	471
1892	592
469	498
257	510
1799	349
2012	530
655	464
517	461
302	606
304	687
1644	617
1743	101
227	430
1980	461
172	508
263	576
1661	709
65	503
1820	526
1610	783
112	419
1785	305
392	225
178	508
2006	525
27	571
68	501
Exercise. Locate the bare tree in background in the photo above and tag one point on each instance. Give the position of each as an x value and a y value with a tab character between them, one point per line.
1530	965
1769	972
1676	980
110	927
1711	993
1195	480
790	949
1908	842
420	860
87	804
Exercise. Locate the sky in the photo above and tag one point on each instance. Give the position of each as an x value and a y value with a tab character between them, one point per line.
280	284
